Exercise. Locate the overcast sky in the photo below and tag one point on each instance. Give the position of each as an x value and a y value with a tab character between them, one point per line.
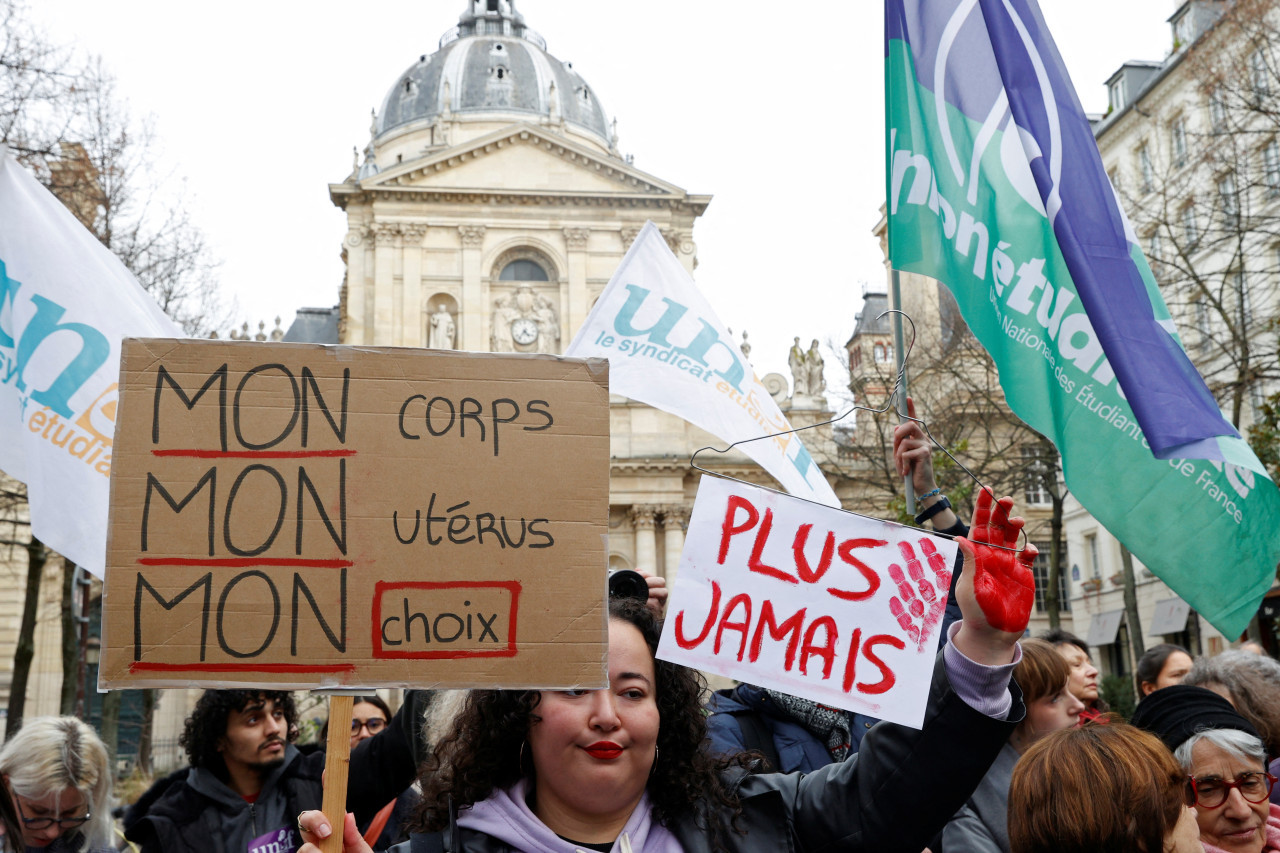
776	111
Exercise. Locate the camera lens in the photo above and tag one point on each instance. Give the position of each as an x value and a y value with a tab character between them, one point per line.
624	583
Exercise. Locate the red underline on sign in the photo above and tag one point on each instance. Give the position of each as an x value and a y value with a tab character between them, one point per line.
243	562
254	454
143	666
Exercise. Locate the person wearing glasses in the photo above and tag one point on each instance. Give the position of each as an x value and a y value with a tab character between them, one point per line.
1225	765
1231	785
1251	683
247	781
369	715
56	770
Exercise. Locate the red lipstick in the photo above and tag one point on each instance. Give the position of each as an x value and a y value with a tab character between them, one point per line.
604	750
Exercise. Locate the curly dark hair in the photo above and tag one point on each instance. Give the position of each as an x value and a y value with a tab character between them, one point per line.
204	729
482	751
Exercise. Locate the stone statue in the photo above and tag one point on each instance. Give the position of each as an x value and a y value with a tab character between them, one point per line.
548	325
442	334
799	370
500	339
813	366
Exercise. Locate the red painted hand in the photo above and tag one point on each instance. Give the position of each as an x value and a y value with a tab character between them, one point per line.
927	607
1003	584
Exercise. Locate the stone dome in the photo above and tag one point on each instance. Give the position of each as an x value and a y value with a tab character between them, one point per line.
492	63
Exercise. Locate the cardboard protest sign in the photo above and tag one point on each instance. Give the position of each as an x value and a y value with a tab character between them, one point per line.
310	516
819	603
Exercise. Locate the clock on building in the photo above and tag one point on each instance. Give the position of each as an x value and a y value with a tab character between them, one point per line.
524	331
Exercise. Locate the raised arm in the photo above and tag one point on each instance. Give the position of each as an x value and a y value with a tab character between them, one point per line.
913	457
905	784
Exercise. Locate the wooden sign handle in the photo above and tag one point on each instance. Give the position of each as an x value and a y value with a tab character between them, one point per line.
337	764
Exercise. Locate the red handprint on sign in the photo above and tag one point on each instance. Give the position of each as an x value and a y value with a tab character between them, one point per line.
919	609
1003	583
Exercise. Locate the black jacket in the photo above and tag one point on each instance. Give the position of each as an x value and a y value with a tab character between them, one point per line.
894	794
200	813
193	812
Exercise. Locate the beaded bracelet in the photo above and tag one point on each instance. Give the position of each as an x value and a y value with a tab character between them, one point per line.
933	510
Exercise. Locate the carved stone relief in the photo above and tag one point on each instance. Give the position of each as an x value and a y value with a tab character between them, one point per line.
576	238
525	321
472	236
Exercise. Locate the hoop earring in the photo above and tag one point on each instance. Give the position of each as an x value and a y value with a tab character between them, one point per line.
654	766
521	758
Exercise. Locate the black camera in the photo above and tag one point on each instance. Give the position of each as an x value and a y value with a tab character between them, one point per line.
624	583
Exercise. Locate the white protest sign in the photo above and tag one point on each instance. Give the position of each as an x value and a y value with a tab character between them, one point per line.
667	348
812	601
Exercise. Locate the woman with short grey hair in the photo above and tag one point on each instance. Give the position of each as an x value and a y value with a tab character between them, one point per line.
1223	757
1230	784
1252	684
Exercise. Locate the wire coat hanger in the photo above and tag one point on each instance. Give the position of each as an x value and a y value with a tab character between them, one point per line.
890	405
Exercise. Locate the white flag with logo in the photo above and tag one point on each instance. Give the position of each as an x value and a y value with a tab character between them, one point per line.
667	348
66	302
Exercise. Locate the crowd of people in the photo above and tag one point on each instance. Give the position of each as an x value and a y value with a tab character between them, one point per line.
1016	752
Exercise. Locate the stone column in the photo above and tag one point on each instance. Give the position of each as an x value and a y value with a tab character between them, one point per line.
409	331
575	240
471	328
380	327
674	521
643	519
354	248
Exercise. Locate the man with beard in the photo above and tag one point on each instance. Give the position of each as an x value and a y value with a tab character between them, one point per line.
247	782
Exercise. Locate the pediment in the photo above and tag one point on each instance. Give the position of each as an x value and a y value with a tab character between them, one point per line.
523	158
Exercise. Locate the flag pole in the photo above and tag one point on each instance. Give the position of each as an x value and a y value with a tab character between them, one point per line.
895	302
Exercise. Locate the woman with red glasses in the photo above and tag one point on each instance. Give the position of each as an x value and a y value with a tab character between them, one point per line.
1229	779
1225	764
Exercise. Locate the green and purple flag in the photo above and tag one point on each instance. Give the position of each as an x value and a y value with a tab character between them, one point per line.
995	187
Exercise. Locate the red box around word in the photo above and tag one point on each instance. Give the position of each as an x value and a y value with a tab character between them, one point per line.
500	597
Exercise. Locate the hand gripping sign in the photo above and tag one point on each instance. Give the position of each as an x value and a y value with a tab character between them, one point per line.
819	603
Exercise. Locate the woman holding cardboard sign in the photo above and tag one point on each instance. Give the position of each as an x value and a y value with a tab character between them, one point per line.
559	771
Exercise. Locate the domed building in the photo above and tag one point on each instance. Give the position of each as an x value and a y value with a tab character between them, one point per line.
491	204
